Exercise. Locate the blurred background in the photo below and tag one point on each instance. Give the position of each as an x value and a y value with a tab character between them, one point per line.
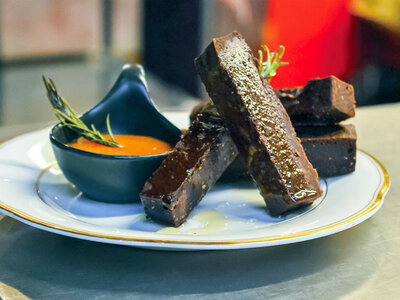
82	46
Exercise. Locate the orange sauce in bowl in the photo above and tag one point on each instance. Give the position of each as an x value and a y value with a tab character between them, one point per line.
131	145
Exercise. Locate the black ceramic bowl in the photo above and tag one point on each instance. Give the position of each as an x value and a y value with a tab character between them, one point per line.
116	179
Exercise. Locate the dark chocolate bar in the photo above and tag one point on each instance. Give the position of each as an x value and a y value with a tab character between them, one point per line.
321	101
324	101
330	149
258	124
192	168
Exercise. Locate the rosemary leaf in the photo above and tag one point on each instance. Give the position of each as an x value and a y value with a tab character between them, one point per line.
109	128
67	116
267	68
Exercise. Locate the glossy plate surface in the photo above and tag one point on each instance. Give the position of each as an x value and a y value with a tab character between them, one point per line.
231	216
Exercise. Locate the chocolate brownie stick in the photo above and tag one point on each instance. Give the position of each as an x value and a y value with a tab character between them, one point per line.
258	124
322	101
192	168
330	149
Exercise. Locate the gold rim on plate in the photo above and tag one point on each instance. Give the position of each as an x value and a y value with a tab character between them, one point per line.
374	204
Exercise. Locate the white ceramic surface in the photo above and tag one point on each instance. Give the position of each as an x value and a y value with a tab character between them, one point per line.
33	190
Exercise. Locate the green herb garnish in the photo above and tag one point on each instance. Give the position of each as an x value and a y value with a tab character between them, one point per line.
67	116
267	68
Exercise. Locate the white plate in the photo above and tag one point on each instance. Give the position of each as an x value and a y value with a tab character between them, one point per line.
33	190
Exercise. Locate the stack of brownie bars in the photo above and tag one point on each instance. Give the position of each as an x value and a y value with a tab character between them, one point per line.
316	111
246	129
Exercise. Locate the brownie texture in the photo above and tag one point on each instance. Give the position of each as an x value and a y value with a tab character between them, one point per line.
330	149
322	101
258	124
192	168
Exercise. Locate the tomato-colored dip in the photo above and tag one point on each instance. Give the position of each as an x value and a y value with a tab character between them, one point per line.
131	145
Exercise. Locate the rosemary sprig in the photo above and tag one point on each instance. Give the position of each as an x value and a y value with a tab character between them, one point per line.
267	68
67	116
